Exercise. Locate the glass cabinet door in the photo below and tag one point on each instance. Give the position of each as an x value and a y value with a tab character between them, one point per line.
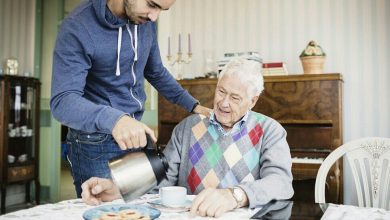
21	124
19	139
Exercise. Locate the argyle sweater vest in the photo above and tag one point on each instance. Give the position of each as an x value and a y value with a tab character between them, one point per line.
218	161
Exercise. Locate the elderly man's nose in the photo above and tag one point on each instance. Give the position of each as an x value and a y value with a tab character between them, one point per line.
225	101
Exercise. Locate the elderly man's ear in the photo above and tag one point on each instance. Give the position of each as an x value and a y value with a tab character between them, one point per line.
253	101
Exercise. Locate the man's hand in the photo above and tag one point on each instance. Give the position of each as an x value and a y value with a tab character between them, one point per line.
130	133
199	109
97	190
213	202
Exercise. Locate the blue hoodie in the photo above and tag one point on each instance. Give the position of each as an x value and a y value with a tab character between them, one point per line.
99	65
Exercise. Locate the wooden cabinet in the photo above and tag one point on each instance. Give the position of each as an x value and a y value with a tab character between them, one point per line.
308	106
19	134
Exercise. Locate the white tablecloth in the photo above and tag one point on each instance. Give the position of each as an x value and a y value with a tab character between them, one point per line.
348	212
74	209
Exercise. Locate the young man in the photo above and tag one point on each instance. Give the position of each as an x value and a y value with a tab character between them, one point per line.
104	51
235	158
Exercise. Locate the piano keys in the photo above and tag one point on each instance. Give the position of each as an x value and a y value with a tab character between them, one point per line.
307	160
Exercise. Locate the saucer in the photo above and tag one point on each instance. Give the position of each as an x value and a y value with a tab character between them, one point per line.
186	206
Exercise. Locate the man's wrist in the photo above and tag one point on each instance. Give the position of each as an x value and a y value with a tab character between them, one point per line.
240	196
193	107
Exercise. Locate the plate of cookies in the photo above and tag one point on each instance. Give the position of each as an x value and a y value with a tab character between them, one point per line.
121	211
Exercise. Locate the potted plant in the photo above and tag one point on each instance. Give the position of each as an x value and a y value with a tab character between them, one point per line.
313	59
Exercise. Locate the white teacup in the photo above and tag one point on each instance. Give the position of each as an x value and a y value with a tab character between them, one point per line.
12	133
173	195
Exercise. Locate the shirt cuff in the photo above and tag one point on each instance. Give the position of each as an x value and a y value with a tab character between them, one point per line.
193	107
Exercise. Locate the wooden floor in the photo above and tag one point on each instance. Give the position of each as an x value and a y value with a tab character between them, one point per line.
67	190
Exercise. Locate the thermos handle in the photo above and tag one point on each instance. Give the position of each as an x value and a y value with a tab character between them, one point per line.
156	159
150	146
149	143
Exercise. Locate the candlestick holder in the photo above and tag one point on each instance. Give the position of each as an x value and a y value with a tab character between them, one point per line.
178	63
179	59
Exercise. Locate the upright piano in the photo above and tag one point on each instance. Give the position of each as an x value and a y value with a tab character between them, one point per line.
309	107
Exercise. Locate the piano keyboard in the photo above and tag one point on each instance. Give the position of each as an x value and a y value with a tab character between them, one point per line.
307	160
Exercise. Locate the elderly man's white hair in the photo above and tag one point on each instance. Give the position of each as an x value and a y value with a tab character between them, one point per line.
248	71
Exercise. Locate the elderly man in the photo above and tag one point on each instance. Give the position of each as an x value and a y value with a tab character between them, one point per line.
235	158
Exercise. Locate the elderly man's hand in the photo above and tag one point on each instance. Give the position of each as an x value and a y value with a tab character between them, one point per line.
213	202
199	109
97	190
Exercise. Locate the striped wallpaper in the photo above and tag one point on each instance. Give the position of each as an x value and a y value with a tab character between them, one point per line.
355	35
17	30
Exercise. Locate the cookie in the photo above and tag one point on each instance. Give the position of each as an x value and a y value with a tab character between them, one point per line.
144	217
129	214
110	216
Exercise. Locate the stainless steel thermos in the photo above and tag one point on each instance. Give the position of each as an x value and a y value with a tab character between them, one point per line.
136	173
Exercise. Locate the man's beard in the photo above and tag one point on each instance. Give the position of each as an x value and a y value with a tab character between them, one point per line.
128	5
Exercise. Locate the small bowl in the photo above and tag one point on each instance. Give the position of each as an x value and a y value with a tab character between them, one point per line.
22	158
11	158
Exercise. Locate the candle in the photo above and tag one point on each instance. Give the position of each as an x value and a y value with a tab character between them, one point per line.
189	43
169	46
179	43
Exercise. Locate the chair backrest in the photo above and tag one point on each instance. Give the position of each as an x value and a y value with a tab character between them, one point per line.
369	161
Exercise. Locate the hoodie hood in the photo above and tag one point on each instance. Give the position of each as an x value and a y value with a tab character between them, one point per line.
105	16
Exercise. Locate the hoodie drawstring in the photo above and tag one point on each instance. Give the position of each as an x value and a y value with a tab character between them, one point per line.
134	46
118	69
135	40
